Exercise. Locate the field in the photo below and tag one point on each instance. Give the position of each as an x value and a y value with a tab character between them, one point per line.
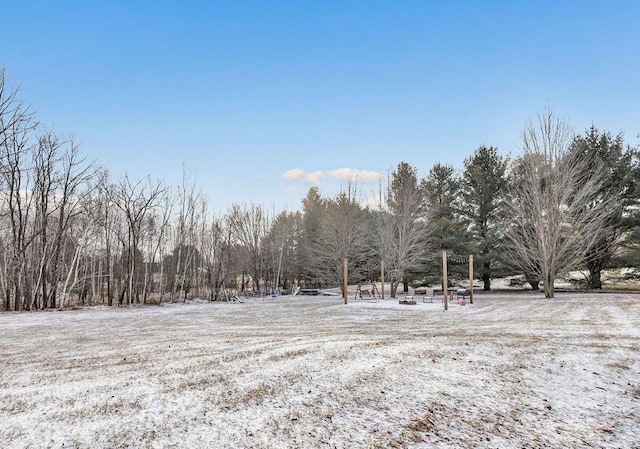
510	371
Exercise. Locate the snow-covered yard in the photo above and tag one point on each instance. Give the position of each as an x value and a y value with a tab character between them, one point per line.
509	371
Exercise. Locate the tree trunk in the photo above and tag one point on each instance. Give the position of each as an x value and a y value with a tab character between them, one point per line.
486	279
486	276
110	280
161	286
94	290
595	279
145	286
533	281
394	288
549	286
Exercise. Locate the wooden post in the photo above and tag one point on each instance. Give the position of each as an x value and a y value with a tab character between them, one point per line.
444	279
471	278
345	270
382	278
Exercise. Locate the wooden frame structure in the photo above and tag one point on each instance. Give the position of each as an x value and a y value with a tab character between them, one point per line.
368	288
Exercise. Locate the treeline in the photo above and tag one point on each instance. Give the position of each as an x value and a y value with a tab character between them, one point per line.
73	234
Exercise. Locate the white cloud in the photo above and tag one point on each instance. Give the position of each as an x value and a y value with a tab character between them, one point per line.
342	174
374	202
297	174
354	174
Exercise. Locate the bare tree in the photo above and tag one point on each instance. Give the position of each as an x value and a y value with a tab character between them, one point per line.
211	244
280	246
44	161
17	210
73	189
184	236
222	261
342	235
249	224
44	182
556	214
107	217
82	230
16	126
15	115
156	226
135	200
402	228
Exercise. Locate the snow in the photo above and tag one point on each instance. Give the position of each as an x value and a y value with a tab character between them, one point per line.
510	371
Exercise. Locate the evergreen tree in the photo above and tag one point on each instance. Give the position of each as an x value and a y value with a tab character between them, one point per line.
445	229
619	164
483	190
314	208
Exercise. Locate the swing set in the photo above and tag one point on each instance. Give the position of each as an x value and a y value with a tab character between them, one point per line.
367	290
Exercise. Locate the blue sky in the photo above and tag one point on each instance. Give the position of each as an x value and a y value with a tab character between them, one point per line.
243	92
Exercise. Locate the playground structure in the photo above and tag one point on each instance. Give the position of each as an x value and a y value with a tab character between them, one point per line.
368	289
230	295
373	292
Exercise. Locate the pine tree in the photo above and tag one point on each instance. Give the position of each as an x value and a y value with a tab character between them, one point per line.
483	191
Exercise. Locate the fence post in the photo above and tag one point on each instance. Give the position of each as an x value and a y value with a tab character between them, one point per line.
382	278
345	271
471	278
445	290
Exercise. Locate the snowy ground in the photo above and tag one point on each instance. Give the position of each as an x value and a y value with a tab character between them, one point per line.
510	371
